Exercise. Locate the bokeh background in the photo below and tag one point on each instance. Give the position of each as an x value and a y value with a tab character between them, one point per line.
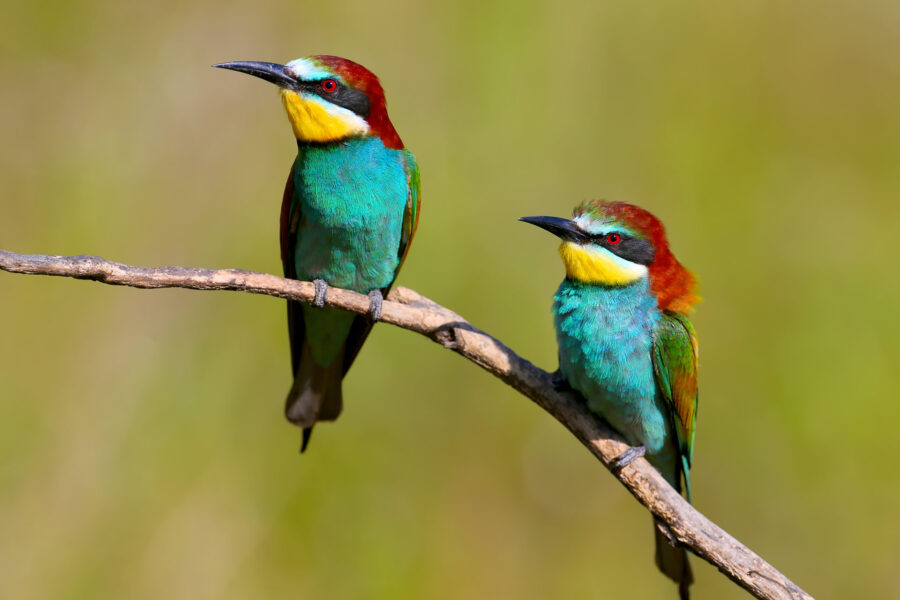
143	452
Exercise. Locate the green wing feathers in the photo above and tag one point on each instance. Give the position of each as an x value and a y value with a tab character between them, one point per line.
411	215
675	366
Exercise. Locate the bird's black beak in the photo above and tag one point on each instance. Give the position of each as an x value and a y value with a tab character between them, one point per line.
565	229
272	72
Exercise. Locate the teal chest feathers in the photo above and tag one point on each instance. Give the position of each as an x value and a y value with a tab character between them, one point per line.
605	337
351	198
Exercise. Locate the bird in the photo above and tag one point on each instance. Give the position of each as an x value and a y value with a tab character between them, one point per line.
626	344
349	212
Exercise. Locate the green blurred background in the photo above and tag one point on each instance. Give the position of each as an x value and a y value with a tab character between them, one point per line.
143	453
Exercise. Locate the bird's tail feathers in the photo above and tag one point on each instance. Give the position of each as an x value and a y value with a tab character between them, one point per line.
673	562
686	474
315	395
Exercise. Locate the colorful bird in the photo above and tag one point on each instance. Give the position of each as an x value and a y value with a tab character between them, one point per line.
625	341
349	212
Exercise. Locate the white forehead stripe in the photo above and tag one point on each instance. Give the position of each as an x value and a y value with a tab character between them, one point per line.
583	222
602	227
306	70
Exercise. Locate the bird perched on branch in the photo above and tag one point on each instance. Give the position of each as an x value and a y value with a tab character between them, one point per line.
348	215
625	341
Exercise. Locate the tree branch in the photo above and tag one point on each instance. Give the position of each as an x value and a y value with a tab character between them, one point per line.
409	310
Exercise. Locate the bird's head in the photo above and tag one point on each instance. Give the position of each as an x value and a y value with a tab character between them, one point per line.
616	244
327	98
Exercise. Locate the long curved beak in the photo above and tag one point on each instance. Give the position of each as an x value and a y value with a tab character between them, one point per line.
272	72
565	229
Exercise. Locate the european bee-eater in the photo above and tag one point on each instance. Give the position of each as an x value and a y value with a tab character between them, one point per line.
625	341
348	215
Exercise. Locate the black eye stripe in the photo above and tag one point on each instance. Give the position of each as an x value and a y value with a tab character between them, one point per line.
633	249
342	95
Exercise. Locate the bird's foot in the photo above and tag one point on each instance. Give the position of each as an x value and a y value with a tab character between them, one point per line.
558	381
375	300
627	457
321	293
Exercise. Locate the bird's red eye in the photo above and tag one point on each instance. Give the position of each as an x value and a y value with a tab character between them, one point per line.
613	238
329	85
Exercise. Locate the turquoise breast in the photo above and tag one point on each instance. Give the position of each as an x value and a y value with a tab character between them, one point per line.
351	197
605	337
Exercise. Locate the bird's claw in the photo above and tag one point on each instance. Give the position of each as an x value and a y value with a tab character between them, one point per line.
321	293
558	381
375	300
627	457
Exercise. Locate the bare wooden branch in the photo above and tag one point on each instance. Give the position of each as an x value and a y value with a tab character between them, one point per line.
409	310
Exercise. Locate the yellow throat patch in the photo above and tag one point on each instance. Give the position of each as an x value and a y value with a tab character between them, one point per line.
314	120
588	265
